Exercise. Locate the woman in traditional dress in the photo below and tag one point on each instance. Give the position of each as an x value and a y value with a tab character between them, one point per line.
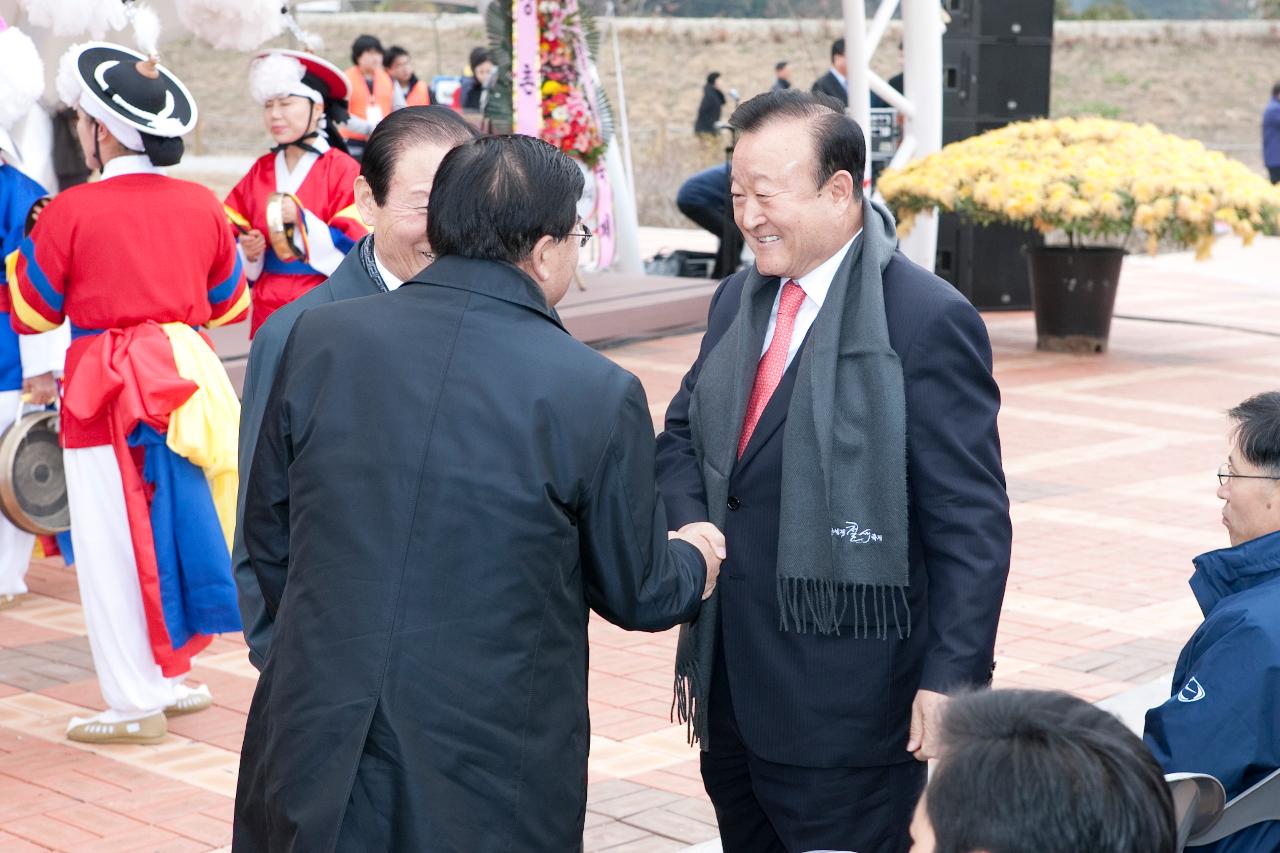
304	101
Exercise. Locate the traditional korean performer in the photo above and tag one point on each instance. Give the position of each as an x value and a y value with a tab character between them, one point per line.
302	189
137	261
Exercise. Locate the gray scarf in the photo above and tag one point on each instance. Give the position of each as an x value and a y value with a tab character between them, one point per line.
370	265
842	543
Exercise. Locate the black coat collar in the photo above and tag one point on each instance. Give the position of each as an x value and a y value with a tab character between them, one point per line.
495	279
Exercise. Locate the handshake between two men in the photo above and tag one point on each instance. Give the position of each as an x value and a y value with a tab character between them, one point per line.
709	541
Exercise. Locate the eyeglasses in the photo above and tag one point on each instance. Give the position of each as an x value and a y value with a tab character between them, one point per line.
583	236
1224	474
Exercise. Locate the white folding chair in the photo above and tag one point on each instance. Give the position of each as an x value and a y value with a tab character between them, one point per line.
1259	803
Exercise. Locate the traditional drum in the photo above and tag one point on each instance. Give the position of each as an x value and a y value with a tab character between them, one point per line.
33	491
283	236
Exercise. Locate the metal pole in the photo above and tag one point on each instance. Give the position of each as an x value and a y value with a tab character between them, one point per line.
922	30
857	59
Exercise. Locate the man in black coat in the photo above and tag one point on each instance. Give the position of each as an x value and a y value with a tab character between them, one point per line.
835	83
399	165
839	423
445	482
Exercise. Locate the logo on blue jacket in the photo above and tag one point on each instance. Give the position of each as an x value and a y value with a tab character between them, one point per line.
1191	691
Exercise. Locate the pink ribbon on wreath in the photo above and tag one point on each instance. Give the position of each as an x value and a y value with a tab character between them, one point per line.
603	213
526	75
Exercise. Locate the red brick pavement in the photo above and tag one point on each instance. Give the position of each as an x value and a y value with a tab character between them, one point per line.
1110	464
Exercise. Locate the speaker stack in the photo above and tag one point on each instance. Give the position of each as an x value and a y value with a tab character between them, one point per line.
995	70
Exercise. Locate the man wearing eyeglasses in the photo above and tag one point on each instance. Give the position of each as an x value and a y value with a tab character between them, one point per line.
446	482
1223	717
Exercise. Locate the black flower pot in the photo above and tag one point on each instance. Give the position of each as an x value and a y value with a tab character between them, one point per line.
1073	292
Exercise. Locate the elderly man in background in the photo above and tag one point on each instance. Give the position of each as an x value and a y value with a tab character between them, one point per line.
391	194
446	481
1222	717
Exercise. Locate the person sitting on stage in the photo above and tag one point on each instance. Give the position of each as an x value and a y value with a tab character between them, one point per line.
28	366
304	100
135	261
392	191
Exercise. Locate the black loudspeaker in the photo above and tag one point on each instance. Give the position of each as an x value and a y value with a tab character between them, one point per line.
1000	19
985	262
995	79
996	64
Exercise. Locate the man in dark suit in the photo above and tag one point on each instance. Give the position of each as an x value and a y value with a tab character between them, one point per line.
391	194
445	483
839	423
835	83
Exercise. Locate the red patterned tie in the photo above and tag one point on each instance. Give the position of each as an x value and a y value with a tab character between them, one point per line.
774	363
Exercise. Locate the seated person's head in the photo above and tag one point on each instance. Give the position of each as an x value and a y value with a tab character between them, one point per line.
1028	771
511	199
1249	481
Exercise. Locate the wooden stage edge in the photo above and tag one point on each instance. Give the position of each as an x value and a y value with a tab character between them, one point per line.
614	307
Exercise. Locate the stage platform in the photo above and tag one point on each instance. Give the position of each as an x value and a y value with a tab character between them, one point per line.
612	308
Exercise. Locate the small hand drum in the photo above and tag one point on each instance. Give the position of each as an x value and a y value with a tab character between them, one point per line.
33	488
284	237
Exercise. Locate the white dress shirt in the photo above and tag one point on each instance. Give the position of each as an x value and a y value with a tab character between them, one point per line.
387	277
815	286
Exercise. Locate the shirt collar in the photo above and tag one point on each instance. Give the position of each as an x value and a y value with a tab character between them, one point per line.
130	164
843	80
388	278
816	284
1231	570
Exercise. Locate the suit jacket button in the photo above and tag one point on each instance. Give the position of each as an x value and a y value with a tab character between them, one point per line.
733	502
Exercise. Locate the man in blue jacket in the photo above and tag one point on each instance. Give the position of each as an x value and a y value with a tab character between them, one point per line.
1271	134
1223	717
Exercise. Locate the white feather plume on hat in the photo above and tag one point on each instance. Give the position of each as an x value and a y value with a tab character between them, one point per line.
67	81
276	75
77	17
232	24
21	76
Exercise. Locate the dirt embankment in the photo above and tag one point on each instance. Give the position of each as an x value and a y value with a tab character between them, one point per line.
1209	81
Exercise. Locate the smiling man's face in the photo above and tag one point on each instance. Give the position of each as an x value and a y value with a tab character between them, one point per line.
791	224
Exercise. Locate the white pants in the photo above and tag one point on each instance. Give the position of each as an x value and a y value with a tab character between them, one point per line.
131	682
15	544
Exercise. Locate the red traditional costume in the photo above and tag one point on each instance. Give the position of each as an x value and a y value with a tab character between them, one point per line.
134	261
321	185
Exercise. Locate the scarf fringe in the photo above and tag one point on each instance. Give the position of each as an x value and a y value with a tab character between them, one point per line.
820	605
685	707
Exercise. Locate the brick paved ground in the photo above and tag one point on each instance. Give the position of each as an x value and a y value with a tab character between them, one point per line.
1110	463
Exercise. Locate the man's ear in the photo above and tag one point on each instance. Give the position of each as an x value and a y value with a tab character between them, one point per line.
841	188
540	266
365	202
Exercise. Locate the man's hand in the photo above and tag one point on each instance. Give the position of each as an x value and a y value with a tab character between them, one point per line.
707	538
253	244
40	390
926	717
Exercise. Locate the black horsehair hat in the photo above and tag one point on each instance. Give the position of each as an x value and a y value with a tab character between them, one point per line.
138	91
